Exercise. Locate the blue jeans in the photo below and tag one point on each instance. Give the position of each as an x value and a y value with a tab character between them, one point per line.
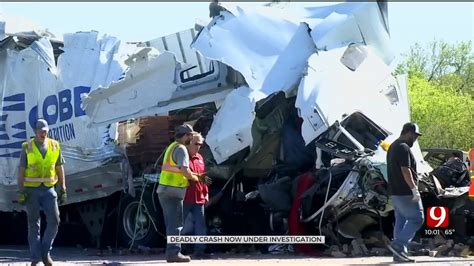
173	215
409	218
200	228
44	198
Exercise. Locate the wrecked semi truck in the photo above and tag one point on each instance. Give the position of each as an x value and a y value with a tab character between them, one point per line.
47	78
295	148
294	103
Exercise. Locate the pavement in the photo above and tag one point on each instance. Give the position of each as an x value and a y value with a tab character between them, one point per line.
18	255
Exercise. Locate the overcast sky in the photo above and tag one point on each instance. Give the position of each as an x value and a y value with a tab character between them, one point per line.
409	22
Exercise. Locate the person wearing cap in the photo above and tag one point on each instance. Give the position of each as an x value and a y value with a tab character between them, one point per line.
39	170
197	195
174	179
403	191
215	8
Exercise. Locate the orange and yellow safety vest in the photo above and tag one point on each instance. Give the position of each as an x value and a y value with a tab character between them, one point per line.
170	173
41	170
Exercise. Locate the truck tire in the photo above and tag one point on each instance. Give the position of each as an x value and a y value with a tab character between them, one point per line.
143	232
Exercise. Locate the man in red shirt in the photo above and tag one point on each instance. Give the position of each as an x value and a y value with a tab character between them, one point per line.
197	194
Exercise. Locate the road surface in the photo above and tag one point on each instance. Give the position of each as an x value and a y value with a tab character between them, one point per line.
18	255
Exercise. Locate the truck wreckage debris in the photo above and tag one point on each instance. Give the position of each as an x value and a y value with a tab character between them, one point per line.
294	109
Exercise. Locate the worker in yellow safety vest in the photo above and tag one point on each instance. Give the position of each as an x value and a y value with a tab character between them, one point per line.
40	169
175	173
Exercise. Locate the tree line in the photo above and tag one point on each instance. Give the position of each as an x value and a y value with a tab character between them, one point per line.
441	92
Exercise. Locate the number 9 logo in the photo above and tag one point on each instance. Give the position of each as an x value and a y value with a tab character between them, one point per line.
438	217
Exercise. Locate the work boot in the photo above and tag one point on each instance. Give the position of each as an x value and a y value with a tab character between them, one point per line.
405	256
178	258
399	255
48	261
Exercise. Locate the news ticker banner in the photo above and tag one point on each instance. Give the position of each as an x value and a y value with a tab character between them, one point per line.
246	239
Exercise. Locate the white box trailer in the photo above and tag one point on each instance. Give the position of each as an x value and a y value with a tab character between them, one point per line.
43	78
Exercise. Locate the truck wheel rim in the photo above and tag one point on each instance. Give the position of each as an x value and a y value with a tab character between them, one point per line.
131	221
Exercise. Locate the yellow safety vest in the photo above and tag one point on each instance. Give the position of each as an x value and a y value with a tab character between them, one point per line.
170	173
41	170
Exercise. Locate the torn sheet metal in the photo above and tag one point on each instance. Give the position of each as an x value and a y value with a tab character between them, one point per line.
348	197
149	80
152	86
96	59
231	130
44	49
178	44
339	25
454	192
331	90
156	83
33	87
268	51
269	62
270	46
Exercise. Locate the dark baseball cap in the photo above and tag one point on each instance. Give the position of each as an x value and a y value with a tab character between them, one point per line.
411	127
184	129
41	124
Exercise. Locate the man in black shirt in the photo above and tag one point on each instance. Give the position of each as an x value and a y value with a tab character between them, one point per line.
403	190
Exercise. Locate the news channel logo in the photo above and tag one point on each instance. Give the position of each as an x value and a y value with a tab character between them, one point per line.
437	221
